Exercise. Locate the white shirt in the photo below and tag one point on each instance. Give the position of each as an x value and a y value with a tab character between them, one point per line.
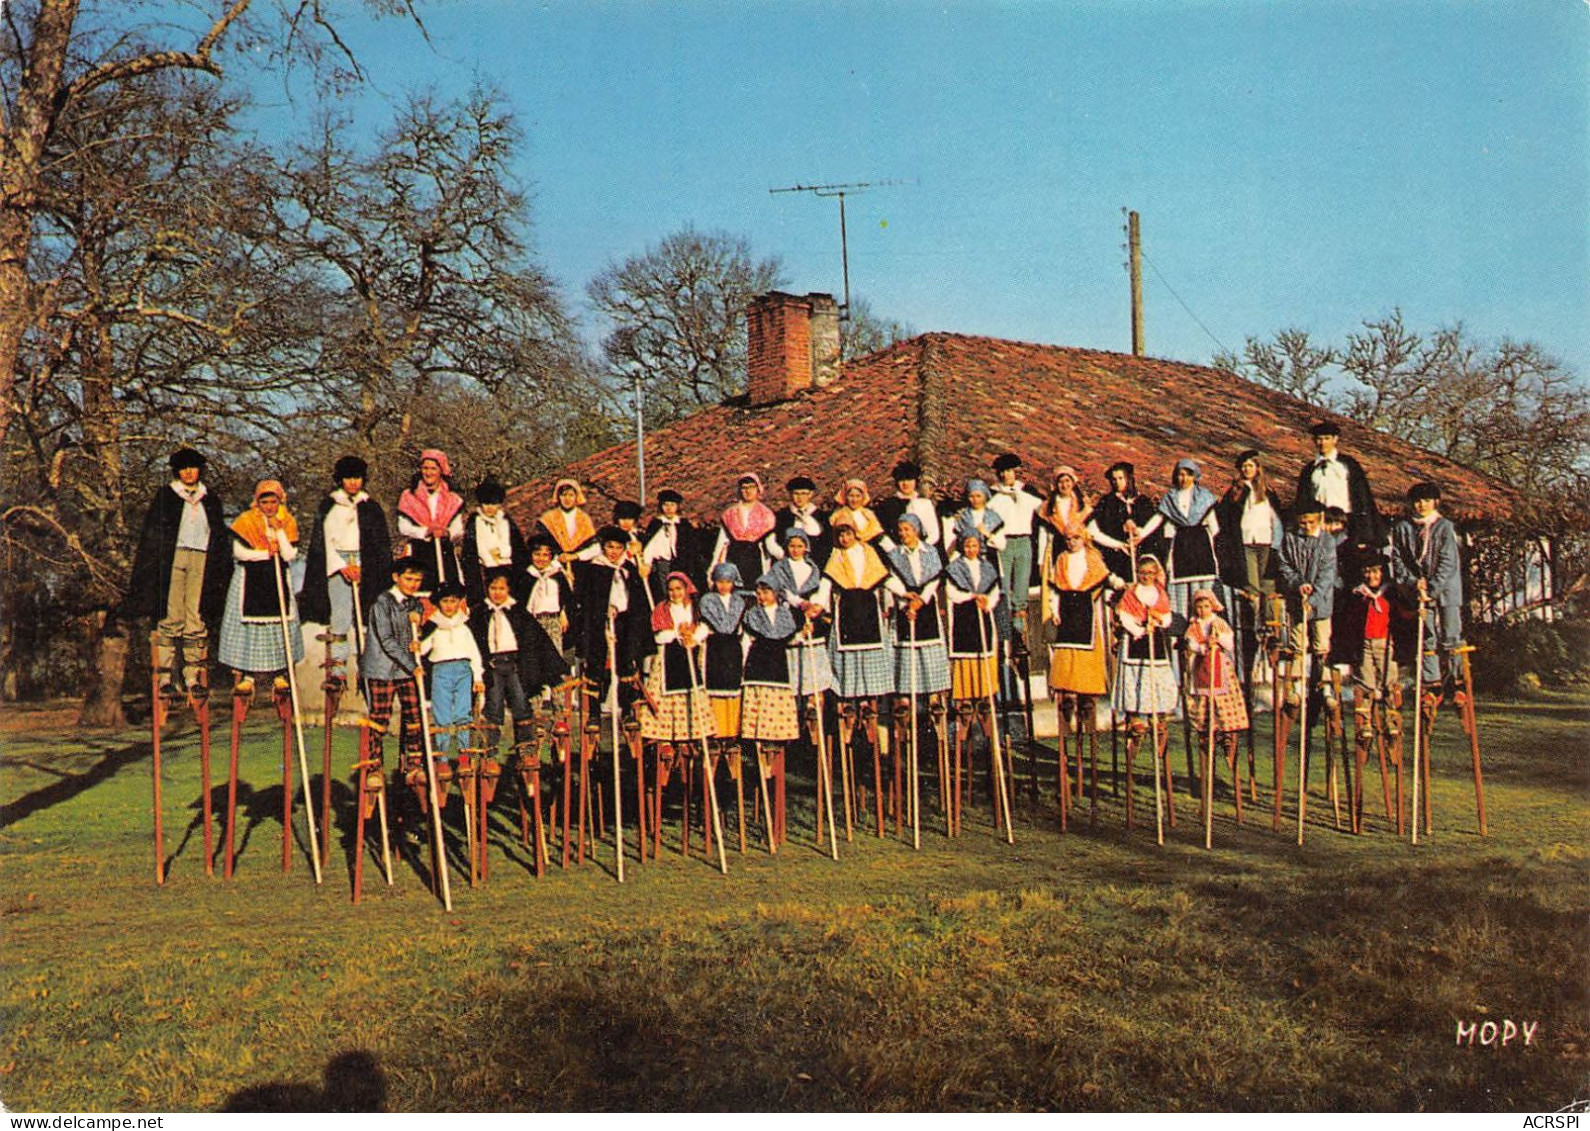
452	640
1257	516
492	540
1330	483
664	544
1016	506
499	632
193	531
341	525
976	567
544	595
618	593
913	560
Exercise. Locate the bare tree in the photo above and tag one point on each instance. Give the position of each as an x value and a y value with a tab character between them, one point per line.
143	287
57	54
434	324
865	332
1290	363
678	316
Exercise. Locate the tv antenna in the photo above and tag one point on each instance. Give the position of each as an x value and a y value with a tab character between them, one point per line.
844	248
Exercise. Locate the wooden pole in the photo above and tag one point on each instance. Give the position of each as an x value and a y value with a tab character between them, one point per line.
438	849
1134	238
292	686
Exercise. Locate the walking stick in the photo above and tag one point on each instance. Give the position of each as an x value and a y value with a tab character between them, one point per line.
1155	758
1474	734
199	700
1209	754
380	798
767	808
618	798
438	849
331	700
292	687
1302	731
825	775
157	717
706	767
993	738
1418	718
916	792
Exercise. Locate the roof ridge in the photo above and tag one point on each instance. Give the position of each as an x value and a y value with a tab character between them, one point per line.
929	407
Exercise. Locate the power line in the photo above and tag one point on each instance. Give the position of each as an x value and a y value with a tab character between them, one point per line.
1184	306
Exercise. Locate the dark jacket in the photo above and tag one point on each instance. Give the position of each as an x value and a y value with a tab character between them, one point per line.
1347	627
592	581
1364	524
150	581
540	665
474	573
375	562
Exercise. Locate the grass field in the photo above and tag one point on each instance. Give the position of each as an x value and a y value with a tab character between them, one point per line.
1089	971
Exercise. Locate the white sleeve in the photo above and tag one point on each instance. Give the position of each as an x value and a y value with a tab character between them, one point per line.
289	547
771	547
1154	524
720	549
895	586
957	595
1100	538
243	552
455	529
930	589
476	664
411	529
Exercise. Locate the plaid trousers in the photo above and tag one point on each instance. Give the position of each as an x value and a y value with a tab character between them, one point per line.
382	692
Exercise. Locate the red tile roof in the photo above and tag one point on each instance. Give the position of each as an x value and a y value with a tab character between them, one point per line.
952	402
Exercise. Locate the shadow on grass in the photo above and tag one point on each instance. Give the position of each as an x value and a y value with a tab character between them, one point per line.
69	786
354	1081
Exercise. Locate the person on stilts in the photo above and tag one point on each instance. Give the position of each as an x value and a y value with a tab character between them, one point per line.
799	584
674	714
1079	656
431	520
921	664
972	588
859	649
492	540
569	526
1306	566
1214	687
671	543
768	717
1145	682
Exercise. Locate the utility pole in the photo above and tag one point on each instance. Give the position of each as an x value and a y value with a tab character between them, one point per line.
1135	241
844	247
640	437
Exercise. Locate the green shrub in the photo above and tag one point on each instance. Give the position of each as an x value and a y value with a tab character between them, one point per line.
1515	658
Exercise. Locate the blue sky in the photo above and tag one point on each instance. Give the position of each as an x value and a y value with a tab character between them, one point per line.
1295	163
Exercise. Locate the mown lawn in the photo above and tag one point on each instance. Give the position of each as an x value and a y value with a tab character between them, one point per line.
1087	971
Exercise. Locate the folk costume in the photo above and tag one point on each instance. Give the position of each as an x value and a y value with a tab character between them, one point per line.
677	709
491	541
920	660
809	519
1065	504
1187	518
911	502
455	665
974	634
858	645
1017	506
1309	560
388	665
1373	630
858	515
721	614
1079	657
979	519
1114	517
1145	679
251	628
570	527
745	525
1338	480
767	695
672	543
1425	548
609	593
182	567
1213	647
350	530
799	584
520	659
549	598
431	522
1250	517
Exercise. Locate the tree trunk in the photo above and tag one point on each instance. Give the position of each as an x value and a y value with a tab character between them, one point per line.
107	665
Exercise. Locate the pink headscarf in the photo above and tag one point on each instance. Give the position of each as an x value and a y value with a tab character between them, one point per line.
441	460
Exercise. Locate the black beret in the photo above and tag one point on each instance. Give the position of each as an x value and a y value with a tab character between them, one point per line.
490	491
1006	461
625	509
186	457
611	534
1325	428
350	467
905	469
448	589
669	495
801	483
1423	491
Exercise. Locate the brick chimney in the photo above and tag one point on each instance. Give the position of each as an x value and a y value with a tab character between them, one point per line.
792	344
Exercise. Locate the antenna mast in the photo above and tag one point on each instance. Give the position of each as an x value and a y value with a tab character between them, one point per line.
844	247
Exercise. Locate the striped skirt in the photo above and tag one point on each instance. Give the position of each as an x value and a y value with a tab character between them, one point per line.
1142	688
1231	713
862	673
810	671
681	716
768	714
932	669
256	646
